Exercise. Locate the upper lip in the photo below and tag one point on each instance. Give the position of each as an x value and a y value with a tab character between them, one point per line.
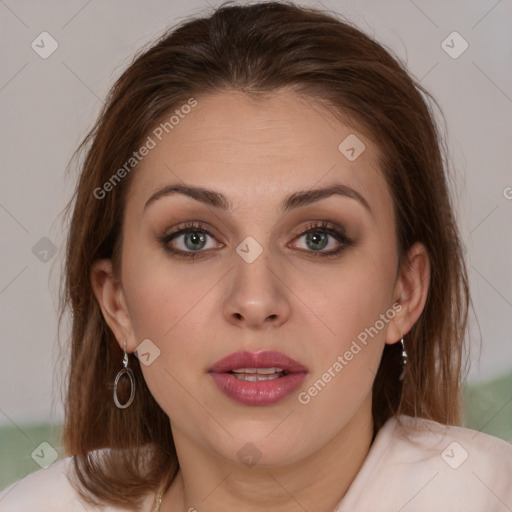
264	359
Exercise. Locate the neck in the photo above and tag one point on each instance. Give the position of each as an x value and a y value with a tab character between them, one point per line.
318	482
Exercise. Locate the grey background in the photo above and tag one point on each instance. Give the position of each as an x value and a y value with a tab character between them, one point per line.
48	105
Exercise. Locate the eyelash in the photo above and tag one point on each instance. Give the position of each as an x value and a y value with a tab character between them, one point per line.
315	227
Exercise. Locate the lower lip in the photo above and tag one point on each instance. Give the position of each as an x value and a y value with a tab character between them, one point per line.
263	392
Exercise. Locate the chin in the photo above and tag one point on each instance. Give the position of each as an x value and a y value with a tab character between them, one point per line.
257	448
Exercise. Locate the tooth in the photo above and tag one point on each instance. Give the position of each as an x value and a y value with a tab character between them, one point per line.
256	377
262	371
267	371
269	377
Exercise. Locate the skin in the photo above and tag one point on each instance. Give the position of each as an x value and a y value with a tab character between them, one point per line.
197	311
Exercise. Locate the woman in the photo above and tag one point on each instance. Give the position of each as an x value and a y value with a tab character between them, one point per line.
268	291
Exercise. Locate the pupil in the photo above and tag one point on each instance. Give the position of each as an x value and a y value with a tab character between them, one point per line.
192	240
317	240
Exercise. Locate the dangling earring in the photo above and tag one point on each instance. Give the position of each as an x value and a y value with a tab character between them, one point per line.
127	371
404	358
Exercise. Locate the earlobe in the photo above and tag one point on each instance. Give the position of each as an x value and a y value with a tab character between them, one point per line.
109	295
411	291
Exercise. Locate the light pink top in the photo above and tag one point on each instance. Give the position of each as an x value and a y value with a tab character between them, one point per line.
413	465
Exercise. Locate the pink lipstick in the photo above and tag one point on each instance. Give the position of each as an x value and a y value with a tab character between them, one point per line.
257	378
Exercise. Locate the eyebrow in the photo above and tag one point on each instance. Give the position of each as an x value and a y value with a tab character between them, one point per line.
292	201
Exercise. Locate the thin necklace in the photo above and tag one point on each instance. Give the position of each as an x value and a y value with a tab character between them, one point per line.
158	500
159	496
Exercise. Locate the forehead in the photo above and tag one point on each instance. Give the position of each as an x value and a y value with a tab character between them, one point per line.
257	150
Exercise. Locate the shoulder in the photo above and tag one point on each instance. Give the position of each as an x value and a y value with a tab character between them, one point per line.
421	465
49	490
45	489
456	447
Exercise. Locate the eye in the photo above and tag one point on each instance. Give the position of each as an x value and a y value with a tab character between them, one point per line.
189	240
321	239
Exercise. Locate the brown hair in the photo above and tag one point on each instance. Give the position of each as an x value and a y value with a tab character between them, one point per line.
258	49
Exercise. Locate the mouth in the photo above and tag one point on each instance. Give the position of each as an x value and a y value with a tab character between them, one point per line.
257	378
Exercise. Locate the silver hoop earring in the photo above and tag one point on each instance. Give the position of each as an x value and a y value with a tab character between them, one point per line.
404	358
123	371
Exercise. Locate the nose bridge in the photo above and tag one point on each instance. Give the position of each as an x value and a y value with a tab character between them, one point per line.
253	264
253	268
256	295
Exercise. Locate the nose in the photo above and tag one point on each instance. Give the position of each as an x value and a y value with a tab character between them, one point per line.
257	295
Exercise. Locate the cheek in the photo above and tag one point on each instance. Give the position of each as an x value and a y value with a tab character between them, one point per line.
351	296
355	305
166	308
163	302
356	308
162	295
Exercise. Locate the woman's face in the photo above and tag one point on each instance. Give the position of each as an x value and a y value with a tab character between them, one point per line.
245	275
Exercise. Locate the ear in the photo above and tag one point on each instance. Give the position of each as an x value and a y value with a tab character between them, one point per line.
110	296
411	291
